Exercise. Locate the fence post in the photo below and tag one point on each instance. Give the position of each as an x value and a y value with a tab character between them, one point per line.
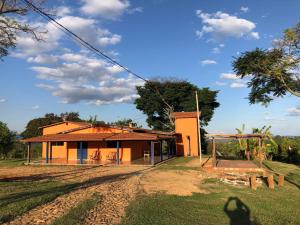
271	181
280	180
253	184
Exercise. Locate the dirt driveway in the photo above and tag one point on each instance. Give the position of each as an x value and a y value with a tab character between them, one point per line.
116	185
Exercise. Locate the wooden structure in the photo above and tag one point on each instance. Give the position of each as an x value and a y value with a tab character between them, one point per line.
214	137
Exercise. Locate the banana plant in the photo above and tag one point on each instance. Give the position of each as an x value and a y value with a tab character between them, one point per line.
242	142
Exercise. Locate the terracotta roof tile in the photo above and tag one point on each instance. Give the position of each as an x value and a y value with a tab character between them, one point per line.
97	137
184	114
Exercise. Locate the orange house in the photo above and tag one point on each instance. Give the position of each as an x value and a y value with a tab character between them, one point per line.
70	142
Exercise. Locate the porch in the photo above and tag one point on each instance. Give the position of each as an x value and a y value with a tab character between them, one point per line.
94	149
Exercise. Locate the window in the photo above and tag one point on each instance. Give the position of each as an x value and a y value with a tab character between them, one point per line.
57	143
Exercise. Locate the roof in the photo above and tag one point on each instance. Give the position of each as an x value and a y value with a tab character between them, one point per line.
177	115
58	123
98	137
234	136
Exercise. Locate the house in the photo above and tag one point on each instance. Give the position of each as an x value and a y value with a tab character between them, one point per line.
81	142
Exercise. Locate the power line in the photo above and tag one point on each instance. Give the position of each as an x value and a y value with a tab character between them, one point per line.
89	46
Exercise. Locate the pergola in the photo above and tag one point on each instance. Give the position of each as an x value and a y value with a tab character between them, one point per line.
215	137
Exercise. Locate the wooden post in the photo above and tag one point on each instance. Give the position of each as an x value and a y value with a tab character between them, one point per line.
280	180
28	152
81	153
198	129
118	153
214	151
152	153
260	152
47	152
271	181
253	183
50	144
161	153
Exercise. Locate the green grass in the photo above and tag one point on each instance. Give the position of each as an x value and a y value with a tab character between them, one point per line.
266	206
291	171
178	164
77	214
17	197
12	162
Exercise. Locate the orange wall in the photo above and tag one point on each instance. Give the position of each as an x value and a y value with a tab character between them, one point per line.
128	151
60	127
186	127
99	130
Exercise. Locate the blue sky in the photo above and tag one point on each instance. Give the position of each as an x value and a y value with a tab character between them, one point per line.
190	40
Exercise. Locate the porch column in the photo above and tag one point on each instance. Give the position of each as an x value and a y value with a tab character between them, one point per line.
161	153
214	151
28	152
260	151
118	153
47	152
50	144
81	153
152	153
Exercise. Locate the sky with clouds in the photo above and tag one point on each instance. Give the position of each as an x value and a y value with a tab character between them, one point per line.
191	40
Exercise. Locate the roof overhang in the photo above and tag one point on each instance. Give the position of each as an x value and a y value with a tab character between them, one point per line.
98	137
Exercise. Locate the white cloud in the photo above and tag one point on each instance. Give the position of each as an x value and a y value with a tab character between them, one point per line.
87	29
35	107
238	85
221	45
134	10
108	9
2	100
294	111
221	25
269	118
254	35
62	11
208	62
43	59
244	9
215	50
229	76
218	83
84	78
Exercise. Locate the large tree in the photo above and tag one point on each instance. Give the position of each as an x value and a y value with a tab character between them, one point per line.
32	127
7	140
158	98
12	23
273	72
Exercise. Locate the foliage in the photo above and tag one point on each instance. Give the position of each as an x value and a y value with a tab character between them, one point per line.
157	99
242	142
7	139
32	127
273	72
12	23
93	120
125	122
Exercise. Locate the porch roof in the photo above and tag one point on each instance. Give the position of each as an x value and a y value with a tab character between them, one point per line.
98	137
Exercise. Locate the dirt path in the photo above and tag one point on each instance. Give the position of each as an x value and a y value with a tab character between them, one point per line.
116	186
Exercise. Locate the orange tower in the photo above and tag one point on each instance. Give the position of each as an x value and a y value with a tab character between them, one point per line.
186	128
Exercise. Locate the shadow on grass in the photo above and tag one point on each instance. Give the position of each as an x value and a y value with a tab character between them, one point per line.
46	176
24	201
240	214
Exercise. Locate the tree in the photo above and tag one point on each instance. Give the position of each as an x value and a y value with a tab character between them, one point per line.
125	122
158	98
12	23
273	72
7	139
32	127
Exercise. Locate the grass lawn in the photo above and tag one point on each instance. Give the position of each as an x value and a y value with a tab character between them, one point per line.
17	197
291	171
12	162
225	204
